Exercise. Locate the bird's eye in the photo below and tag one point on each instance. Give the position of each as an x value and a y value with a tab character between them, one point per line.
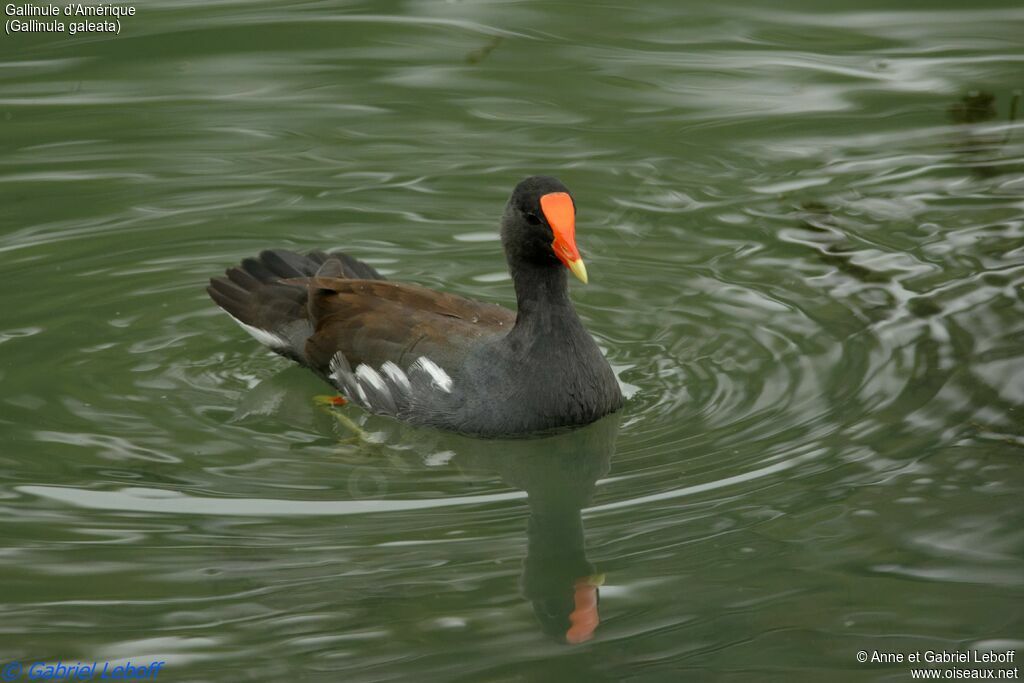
532	219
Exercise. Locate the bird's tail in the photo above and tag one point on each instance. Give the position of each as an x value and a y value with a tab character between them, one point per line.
268	296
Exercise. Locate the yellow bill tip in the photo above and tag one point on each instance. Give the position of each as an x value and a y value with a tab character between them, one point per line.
579	270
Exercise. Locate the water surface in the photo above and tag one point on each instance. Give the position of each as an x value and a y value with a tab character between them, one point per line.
805	233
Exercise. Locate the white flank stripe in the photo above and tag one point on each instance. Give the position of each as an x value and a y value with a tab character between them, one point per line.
396	375
336	366
371	376
440	377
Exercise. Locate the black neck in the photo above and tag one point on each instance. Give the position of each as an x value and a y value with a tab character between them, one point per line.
542	293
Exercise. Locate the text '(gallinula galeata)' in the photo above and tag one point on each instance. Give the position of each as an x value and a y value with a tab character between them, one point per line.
432	358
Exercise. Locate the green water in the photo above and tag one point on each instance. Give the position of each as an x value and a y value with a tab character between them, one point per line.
804	228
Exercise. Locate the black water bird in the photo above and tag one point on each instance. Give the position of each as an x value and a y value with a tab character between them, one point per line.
432	358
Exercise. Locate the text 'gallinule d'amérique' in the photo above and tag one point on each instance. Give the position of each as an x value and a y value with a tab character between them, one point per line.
438	359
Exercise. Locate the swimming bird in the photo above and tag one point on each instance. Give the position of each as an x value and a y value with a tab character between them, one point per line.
433	358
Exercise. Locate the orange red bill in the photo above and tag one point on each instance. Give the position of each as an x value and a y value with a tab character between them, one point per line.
561	216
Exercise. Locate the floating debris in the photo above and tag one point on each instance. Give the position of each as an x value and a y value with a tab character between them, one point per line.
480	54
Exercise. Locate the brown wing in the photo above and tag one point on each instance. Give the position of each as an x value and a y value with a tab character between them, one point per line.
385	345
375	321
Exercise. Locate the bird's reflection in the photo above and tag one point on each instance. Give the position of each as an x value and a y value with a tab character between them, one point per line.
558	472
